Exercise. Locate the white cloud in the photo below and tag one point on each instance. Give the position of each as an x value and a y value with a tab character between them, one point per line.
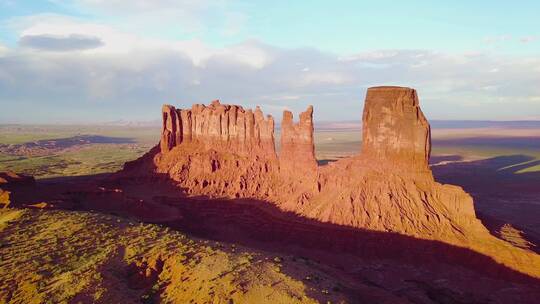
112	40
186	16
250	53
129	75
321	78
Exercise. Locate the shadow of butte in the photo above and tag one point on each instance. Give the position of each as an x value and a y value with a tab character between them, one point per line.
261	225
502	192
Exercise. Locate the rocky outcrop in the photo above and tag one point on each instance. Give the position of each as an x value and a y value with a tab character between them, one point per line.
215	150
224	151
227	151
395	133
389	185
297	155
171	132
221	127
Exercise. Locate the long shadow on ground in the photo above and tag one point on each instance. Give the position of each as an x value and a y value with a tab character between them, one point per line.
261	225
502	193
491	141
247	221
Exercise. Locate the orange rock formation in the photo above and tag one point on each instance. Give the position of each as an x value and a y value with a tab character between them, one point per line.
227	152
297	148
394	129
226	127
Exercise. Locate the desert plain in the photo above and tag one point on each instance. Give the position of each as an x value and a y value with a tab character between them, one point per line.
115	256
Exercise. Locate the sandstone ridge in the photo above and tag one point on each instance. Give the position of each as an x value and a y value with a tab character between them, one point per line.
226	151
218	125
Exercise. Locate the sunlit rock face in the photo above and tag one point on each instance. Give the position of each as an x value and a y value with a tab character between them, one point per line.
226	151
389	185
394	129
220	126
297	155
217	150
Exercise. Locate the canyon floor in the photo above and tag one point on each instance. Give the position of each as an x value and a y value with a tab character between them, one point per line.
115	255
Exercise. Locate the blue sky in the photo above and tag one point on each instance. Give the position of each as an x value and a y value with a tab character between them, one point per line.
97	60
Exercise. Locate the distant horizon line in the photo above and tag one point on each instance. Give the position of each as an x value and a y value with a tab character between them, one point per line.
148	123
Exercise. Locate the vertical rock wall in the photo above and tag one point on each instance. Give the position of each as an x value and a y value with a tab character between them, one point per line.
169	130
219	126
394	130
396	135
297	154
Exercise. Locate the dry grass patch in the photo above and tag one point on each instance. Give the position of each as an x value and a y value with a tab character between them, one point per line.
51	256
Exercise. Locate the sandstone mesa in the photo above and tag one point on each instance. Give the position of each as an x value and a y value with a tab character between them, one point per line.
226	151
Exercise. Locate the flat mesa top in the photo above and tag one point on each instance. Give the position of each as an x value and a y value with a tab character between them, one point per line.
390	88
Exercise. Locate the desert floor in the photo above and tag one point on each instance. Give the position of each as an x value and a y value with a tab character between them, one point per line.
499	167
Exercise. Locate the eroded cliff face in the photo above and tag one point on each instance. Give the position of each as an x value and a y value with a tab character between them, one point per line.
228	151
220	127
224	151
389	185
395	132
297	162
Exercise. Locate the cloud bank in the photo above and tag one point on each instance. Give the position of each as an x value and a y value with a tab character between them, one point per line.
68	70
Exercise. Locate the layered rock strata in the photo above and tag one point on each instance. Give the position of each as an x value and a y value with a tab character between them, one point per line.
219	126
389	185
395	132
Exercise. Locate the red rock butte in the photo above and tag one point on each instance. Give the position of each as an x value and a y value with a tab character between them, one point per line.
228	152
230	127
394	129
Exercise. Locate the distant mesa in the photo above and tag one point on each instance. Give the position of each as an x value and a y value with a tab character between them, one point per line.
226	151
49	146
